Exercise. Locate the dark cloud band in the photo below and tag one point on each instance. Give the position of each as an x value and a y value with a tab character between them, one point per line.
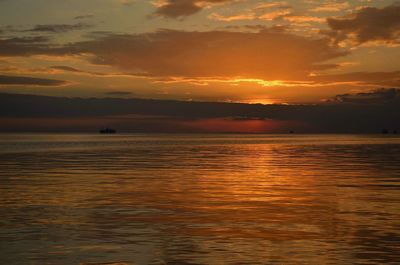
23	80
59	28
336	116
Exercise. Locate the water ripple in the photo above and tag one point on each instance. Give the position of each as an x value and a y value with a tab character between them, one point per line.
195	199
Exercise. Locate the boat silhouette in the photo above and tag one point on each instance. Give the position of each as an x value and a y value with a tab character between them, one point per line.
107	131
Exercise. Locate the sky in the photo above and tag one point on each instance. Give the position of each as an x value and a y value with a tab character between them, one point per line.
246	51
330	66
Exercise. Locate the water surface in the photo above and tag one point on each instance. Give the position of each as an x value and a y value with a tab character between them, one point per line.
199	199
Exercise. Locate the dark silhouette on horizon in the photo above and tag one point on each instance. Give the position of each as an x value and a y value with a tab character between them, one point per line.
108	131
23	113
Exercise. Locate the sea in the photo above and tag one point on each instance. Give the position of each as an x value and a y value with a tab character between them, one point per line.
199	199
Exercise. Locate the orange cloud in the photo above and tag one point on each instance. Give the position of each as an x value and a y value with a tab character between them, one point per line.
264	11
303	19
268	54
331	7
387	79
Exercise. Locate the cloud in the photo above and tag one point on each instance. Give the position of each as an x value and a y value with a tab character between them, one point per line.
262	57
181	8
268	54
244	16
75	70
63	68
387	79
304	19
66	69
23	80
87	16
275	11
265	11
368	24
378	96
58	28
25	46
331	7
277	14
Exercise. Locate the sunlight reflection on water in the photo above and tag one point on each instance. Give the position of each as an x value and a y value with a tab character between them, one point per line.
192	199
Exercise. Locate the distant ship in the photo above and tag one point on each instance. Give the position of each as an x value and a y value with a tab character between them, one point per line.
107	131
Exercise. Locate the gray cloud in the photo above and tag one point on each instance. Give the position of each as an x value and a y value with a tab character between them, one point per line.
23	80
87	16
58	28
368	24
181	8
25	46
379	96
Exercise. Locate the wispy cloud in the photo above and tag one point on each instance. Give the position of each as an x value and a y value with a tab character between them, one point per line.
331	7
86	16
265	11
59	28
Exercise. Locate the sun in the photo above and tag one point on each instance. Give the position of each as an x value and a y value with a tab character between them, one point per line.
263	101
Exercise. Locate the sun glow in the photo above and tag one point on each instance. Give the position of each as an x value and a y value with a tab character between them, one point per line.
261	82
263	101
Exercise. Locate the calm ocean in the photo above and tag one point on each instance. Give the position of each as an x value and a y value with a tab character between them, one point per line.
199	199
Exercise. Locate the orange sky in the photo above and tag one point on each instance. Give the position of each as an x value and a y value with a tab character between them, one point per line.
203	50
